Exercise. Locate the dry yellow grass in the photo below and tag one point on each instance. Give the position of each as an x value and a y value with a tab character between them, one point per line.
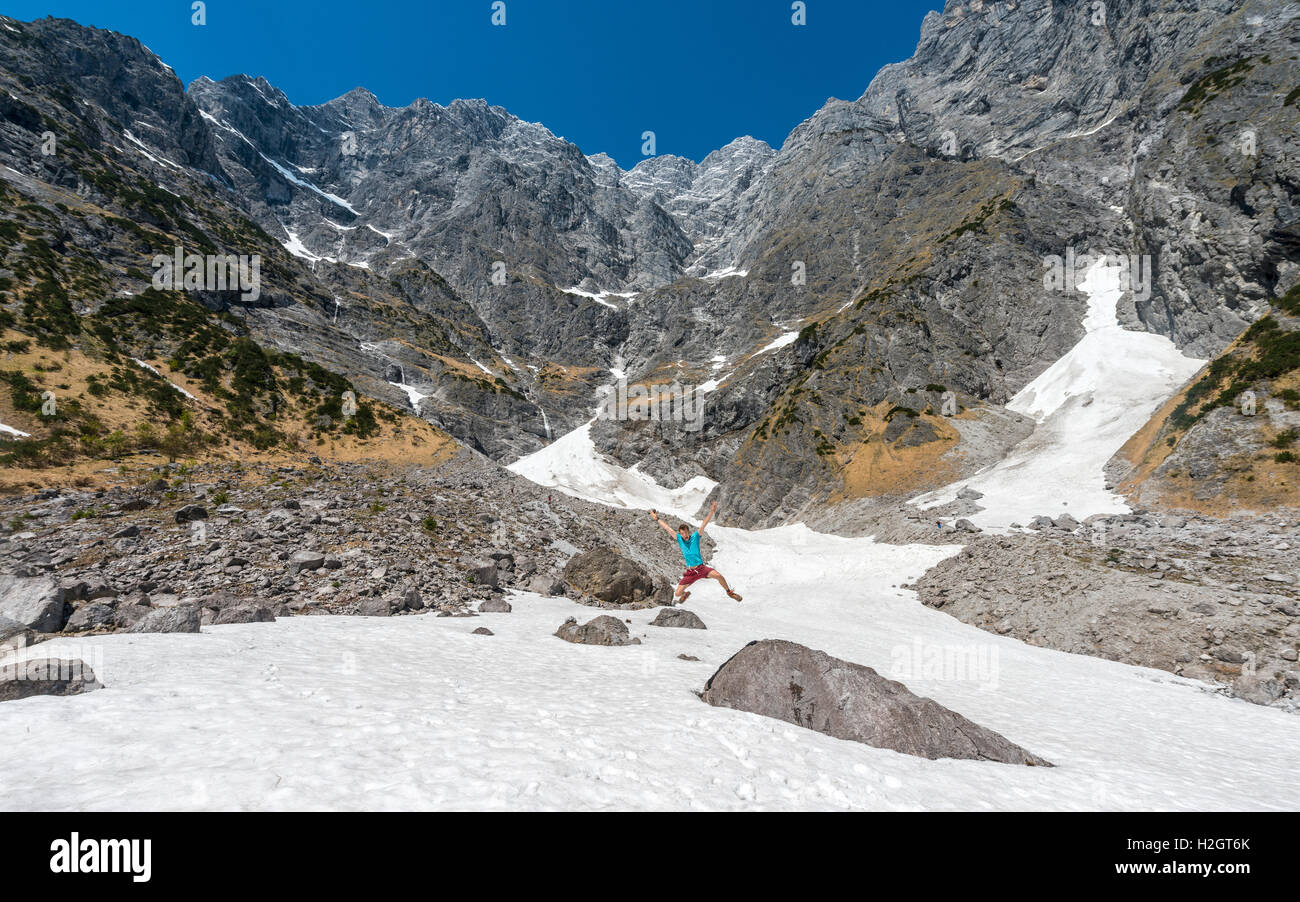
1253	482
874	467
66	373
1257	484
1146	449
409	442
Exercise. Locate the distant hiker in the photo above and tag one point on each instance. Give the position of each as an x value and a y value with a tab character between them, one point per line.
688	540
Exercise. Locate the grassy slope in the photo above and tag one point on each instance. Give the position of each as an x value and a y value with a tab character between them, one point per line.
1265	359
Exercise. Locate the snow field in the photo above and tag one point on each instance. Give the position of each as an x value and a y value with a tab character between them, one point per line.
1087	405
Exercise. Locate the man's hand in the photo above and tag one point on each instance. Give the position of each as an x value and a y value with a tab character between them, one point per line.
714	509
654	515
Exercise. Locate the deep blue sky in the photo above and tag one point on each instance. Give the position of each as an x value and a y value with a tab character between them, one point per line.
699	73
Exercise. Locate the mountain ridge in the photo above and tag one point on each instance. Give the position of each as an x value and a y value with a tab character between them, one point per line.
917	215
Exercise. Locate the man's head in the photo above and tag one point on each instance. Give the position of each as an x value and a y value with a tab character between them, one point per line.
684	530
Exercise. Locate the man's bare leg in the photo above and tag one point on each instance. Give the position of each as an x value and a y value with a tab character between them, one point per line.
680	594
714	574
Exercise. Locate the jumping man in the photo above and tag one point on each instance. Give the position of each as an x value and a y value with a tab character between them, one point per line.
688	541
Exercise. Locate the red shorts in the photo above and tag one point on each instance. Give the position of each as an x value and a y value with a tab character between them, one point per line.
695	573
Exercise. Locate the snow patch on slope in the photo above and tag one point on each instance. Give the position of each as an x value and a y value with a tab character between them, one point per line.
143	150
782	341
1087	405
151	369
600	297
415	396
303	183
572	465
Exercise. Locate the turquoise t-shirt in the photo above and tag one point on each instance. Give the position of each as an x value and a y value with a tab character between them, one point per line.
690	549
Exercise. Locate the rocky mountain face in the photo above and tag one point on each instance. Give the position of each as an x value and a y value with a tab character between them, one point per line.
110	163
704	198
857	304
469	189
923	213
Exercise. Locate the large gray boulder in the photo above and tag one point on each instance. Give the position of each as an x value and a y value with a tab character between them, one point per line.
1066	522
546	585
90	616
46	676
306	560
181	618
608	576
485	575
603	630
678	617
811	689
191	512
410	600
374	607
247	612
31	604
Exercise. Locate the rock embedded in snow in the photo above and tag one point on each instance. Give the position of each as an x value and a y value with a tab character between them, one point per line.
495	606
36	604
483	631
180	618
128	615
249	612
790	682
374	607
46	676
608	576
1066	522
680	618
603	630
486	575
546	585
410	600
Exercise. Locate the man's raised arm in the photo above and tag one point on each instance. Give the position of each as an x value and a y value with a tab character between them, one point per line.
713	510
666	527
